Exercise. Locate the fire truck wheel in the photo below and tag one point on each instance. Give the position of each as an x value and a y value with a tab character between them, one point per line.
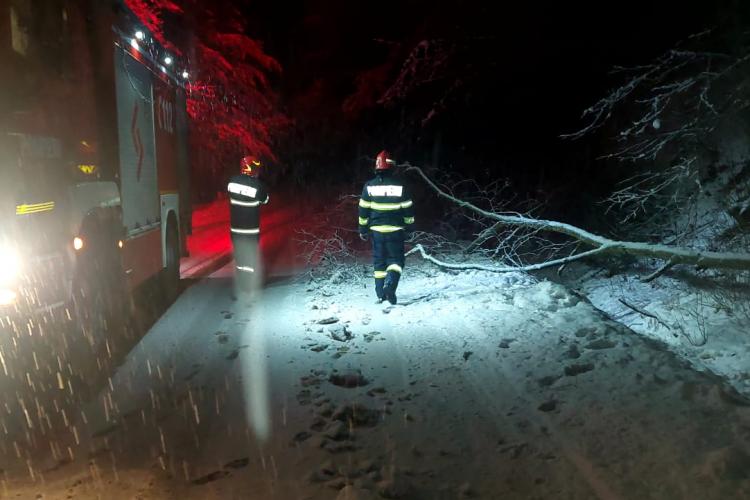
171	276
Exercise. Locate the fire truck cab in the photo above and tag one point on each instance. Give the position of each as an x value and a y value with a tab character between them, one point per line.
93	190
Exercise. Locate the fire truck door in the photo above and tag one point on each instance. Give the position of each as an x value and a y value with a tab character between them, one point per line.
138	174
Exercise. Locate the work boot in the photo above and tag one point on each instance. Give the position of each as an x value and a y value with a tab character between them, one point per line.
389	289
389	293
379	292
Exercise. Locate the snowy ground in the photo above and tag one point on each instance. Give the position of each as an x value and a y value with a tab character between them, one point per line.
693	313
685	318
475	386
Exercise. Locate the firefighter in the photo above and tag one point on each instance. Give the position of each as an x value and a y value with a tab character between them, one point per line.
386	213
246	194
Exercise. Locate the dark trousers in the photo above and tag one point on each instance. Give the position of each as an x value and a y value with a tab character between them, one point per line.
387	260
247	269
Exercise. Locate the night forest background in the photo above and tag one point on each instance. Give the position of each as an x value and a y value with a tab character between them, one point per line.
466	89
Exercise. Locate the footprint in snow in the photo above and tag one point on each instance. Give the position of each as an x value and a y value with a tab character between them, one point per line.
505	343
547	380
238	463
548	406
192	374
213	476
601	344
577	369
369	337
572	352
348	379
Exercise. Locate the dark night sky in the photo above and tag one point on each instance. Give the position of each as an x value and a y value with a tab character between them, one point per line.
560	48
551	60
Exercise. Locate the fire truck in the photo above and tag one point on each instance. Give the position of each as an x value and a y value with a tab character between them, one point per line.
94	193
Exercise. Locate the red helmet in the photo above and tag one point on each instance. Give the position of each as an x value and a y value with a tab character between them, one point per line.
383	161
249	165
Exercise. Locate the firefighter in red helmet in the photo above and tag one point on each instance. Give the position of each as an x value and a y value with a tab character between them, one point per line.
246	194
386	213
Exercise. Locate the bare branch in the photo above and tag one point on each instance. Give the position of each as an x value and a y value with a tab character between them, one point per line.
645	313
678	84
651	277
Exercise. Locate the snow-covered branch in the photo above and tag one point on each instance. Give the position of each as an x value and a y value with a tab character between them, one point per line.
501	269
603	245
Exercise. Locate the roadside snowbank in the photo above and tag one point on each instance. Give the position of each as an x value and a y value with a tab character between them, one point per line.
684	318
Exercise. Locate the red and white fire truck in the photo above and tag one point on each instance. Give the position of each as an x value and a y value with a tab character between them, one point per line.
126	177
153	160
94	193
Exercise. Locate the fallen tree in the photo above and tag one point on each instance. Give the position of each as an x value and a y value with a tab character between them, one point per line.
601	245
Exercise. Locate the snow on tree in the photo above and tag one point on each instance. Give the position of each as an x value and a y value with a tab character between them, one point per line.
231	101
151	14
669	122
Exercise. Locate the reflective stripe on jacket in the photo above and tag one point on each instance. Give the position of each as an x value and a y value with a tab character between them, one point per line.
385	205
246	194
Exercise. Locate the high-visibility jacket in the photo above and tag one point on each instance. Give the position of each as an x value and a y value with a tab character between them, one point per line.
385	205
246	194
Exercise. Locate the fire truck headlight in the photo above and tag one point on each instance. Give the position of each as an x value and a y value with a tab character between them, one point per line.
7	297
10	266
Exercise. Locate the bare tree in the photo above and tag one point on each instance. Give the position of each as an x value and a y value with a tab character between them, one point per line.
678	99
669	113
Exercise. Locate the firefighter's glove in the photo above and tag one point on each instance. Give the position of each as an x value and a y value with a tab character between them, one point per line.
364	236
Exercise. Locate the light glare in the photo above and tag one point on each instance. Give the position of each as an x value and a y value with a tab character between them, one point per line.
77	243
7	297
10	266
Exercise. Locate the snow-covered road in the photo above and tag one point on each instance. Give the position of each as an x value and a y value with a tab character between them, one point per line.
480	386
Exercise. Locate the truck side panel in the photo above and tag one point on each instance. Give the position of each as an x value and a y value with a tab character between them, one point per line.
135	119
166	136
183	165
139	181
